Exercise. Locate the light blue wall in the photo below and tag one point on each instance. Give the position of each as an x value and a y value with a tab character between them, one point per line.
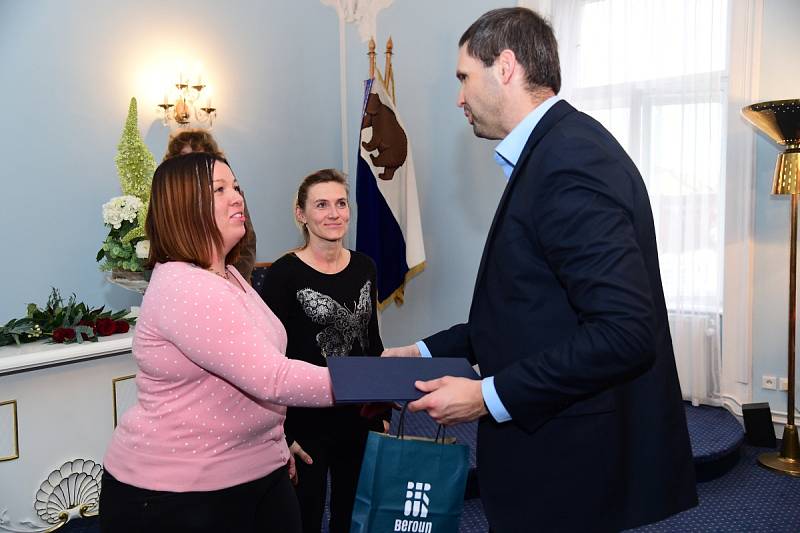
779	79
68	71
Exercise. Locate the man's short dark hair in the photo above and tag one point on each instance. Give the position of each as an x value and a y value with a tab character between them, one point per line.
523	32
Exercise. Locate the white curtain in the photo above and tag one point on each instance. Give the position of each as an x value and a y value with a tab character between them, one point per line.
655	73
744	62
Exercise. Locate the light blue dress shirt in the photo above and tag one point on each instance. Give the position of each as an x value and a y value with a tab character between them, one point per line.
506	154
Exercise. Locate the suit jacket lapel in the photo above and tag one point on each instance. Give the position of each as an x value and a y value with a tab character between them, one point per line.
553	115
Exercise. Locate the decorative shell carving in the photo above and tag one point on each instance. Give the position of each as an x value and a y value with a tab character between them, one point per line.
73	489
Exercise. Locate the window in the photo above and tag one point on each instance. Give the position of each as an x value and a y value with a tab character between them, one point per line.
654	73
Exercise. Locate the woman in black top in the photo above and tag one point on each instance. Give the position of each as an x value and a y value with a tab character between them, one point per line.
326	297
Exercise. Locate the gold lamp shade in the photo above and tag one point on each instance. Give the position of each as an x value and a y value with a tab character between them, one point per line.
780	119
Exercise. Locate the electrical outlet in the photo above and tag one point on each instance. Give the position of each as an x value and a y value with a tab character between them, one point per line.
783	384
769	382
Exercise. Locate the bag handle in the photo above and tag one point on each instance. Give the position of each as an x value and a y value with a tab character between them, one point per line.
401	427
443	429
401	424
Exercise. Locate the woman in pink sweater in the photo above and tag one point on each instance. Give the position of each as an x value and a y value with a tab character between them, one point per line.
203	449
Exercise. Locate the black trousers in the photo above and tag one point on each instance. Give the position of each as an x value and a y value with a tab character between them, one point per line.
342	457
264	505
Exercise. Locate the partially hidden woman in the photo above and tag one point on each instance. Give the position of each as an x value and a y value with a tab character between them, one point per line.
203	448
325	295
185	141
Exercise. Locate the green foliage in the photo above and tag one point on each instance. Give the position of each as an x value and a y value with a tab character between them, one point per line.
135	162
119	254
40	323
138	233
19	331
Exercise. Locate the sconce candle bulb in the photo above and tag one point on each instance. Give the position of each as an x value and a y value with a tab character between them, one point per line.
185	105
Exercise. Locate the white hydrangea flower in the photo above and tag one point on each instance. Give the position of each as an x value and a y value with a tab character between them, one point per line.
121	208
143	249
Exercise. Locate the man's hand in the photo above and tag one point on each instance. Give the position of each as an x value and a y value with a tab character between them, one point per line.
402	351
450	400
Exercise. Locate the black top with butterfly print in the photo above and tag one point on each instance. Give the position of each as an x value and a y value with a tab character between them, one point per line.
325	315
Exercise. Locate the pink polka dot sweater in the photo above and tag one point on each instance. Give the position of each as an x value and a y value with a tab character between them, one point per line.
213	384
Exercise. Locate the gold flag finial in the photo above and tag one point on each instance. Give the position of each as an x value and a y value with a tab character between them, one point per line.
371	55
388	72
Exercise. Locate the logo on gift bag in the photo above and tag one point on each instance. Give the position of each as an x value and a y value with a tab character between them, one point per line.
416	506
416	499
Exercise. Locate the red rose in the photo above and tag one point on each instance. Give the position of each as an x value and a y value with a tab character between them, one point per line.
63	334
105	327
120	326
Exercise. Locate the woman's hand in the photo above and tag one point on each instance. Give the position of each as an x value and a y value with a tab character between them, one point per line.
295	449
299	452
292	470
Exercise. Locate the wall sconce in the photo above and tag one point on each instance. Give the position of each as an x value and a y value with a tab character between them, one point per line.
185	104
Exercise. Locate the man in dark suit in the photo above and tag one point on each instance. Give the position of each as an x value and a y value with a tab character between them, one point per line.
581	422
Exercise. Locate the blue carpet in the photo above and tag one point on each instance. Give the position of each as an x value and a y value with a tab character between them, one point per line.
713	431
716	437
749	498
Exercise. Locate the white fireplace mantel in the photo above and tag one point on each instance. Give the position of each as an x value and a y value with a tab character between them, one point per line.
41	354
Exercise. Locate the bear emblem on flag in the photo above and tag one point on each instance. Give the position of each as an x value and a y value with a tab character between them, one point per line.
388	137
389	223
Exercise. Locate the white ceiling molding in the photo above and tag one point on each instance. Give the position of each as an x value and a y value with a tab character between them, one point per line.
361	12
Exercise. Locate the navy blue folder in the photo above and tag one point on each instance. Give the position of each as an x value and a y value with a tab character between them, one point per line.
389	379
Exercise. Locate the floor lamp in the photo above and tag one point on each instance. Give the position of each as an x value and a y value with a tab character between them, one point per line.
780	120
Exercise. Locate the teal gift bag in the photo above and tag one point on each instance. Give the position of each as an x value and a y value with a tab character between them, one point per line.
410	484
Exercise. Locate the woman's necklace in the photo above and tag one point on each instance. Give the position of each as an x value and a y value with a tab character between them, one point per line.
220	274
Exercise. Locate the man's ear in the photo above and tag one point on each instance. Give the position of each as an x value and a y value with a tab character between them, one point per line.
506	64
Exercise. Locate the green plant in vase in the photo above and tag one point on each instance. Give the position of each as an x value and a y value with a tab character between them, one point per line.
125	249
121	215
